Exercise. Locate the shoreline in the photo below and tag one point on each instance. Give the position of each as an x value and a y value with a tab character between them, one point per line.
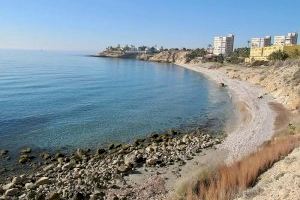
255	125
256	118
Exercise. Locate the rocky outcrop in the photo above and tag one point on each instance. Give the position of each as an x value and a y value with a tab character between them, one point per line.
171	56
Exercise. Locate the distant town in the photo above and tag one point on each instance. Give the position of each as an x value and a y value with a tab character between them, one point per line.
258	49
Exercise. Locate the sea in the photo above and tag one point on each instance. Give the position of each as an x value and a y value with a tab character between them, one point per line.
66	100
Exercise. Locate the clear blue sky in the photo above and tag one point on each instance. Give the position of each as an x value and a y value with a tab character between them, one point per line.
93	24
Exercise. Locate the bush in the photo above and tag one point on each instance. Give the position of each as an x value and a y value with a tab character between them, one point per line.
195	53
278	55
229	180
238	55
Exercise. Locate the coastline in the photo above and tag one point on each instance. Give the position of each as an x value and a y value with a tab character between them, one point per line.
256	118
255	125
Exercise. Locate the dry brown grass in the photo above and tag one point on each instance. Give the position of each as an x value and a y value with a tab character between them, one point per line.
230	180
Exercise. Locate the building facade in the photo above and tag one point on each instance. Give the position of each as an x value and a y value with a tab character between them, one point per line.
223	45
289	39
261	42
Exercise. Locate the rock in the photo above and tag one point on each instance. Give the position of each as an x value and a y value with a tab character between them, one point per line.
59	155
17	180
124	169
81	153
78	196
45	156
68	166
222	85
53	196
25	150
101	151
3	152
25	158
8	186
42	181
48	167
129	159
112	146
29	186
151	161
12	192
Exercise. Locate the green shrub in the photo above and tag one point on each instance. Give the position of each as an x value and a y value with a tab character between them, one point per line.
195	53
278	55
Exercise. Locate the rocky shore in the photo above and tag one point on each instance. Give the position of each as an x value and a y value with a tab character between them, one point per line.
100	175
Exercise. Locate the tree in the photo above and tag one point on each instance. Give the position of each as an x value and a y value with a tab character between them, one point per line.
278	55
195	53
220	58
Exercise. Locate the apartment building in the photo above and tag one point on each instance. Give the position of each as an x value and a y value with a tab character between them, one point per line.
223	45
261	42
289	39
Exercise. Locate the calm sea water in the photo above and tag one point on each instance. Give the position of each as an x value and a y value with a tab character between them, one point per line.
64	100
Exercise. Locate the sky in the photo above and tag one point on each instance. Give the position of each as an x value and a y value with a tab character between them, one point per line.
91	25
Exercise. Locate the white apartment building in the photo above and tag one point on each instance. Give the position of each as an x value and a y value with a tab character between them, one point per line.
261	42
289	39
223	45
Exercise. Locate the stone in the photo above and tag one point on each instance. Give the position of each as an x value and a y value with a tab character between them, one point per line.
17	180
59	155
45	156
12	192
8	186
53	196
112	146
124	169
78	196
25	150
24	159
29	186
3	152
42	181
48	167
151	161
129	159
101	151
68	166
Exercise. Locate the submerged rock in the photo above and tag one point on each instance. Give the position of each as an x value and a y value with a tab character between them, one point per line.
25	150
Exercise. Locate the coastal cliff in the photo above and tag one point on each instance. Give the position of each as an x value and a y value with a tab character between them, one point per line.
171	56
280	79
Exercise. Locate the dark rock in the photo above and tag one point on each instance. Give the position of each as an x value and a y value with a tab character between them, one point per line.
59	155
53	196
3	152
112	146
12	192
45	156
101	151
79	196
24	158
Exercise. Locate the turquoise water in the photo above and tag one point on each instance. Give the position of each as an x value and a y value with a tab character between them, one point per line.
51	100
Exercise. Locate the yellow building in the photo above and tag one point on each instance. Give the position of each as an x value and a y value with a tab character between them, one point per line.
264	52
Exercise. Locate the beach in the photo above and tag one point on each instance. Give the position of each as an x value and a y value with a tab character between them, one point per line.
157	167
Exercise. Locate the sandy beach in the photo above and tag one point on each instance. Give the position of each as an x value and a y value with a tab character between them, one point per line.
256	118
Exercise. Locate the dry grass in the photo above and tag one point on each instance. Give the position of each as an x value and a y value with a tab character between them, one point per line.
228	181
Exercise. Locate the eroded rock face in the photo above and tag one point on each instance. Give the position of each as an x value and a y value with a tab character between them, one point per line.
281	80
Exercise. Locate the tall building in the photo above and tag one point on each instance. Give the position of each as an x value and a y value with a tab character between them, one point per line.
290	39
261	42
223	45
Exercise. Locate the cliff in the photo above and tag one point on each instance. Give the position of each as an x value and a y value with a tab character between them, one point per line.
171	56
280	79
